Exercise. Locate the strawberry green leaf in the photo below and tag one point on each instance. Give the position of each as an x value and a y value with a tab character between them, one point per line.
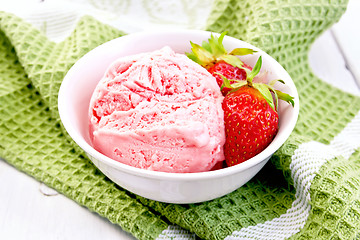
242	51
215	45
204	57
226	82
280	95
276	100
237	85
220	44
193	57
234	86
255	70
265	92
272	82
206	46
285	97
232	60
272	90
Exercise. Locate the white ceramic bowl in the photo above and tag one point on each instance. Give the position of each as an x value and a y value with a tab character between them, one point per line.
79	84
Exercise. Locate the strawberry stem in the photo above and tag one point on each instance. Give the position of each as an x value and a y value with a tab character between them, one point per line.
285	97
242	51
213	51
250	76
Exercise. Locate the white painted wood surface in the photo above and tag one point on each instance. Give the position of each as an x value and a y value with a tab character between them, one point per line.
30	210
347	35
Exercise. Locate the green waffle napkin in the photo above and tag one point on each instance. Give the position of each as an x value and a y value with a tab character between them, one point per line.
309	190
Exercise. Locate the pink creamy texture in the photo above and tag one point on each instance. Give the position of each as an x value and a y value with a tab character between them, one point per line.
158	111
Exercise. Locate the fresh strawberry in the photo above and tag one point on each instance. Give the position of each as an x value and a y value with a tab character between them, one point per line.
250	113
228	71
250	116
213	56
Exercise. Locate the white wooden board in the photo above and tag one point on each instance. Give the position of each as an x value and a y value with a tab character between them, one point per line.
27	213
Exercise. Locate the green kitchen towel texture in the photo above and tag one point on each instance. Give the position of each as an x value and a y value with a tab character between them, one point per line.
273	205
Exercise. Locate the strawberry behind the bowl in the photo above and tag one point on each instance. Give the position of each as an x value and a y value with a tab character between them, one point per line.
217	60
228	71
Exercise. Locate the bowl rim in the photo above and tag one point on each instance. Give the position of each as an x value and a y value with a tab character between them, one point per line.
87	148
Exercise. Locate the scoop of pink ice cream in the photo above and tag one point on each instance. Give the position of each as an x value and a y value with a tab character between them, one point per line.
158	111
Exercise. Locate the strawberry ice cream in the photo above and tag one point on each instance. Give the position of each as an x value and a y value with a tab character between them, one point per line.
159	111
